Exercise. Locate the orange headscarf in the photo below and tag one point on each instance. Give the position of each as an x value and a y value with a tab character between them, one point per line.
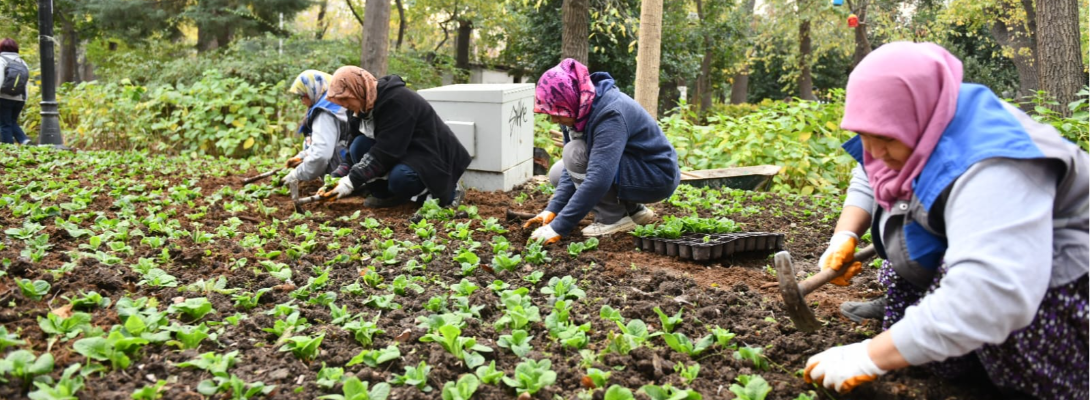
354	82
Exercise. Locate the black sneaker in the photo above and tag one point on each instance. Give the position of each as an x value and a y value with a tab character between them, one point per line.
859	310
341	171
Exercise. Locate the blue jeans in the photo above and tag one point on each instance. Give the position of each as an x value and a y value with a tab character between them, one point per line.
10	132
403	181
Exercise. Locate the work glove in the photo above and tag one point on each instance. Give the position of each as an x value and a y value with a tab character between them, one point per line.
545	234
294	162
842	368
291	178
343	189
544	218
841	250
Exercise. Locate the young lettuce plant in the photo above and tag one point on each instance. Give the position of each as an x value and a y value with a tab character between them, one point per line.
462	390
304	348
531	376
668	392
354	389
465	349
682	344
754	355
753	387
489	374
23	365
364	331
66	328
328	377
669	323
518	342
414	376
193	308
372	358
687	373
65	388
563	289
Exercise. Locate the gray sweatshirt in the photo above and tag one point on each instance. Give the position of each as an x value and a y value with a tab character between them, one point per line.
317	154
999	227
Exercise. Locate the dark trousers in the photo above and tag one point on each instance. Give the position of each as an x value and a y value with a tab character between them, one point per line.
10	132
402	182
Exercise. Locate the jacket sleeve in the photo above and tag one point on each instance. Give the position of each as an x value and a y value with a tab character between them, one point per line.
860	193
999	227
610	138
323	140
564	188
395	125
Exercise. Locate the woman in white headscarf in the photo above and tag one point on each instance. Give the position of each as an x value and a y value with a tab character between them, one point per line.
325	127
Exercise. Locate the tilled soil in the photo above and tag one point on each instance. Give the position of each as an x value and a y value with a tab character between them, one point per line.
737	293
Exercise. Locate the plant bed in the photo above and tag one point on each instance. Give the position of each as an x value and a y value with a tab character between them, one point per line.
202	284
711	246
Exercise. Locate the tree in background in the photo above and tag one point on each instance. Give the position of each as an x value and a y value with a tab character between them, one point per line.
740	82
648	56
576	25
376	33
1060	68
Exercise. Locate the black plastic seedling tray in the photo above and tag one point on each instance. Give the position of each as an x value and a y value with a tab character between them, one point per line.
711	246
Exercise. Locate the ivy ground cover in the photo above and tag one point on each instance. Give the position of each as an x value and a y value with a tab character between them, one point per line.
127	276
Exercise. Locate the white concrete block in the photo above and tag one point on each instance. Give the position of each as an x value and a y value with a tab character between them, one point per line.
466	133
505	181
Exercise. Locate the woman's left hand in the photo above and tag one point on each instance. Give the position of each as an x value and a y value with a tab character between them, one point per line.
842	368
343	189
545	234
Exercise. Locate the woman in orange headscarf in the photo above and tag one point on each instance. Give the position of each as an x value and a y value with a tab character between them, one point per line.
405	151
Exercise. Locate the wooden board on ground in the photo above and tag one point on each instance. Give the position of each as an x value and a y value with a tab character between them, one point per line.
758	177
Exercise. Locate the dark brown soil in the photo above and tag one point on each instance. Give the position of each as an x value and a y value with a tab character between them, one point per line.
737	294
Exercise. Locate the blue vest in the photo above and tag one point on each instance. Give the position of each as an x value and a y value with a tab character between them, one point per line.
981	129
322	105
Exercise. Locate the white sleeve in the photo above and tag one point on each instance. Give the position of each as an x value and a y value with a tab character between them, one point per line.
323	140
860	193
999	229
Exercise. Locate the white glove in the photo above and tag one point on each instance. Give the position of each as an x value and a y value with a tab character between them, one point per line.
344	188
291	178
546	234
842	368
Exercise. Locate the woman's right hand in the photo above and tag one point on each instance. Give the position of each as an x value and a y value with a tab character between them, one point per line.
544	218
294	162
841	251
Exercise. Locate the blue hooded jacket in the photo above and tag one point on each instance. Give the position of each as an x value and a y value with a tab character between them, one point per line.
627	148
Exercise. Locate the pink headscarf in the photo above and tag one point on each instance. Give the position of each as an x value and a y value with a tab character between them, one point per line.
908	92
566	91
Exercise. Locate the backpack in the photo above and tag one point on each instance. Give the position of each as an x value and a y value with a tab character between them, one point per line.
16	75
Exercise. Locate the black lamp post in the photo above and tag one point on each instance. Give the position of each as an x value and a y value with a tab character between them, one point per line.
51	124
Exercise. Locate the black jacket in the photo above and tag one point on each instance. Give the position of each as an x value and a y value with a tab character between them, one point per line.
408	131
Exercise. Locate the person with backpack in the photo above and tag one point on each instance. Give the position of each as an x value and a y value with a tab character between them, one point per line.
325	127
14	74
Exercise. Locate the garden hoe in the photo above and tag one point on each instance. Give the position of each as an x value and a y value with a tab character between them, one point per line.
260	177
294	188
794	295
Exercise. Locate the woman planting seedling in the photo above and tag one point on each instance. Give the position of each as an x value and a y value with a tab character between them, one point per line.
410	155
981	214
325	128
615	155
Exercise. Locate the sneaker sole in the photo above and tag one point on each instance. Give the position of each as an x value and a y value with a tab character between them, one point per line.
644	218
617	229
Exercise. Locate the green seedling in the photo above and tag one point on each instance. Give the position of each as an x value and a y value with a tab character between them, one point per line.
610	314
64	389
215	364
688	374
669	323
534	277
489	374
23	365
682	344
754	355
303	347
618	392
188	336
249	300
536	254
414	376
150	392
465	349
87	301
9	339
518	342
235	386
364	331
372	358
668	392
402	285
65	328
157	277
723	337
531	376
596	377
286	326
33	290
519	311
753	387
328	377
465	288
504	261
354	389
382	302
462	390
563	289
193	308
115	348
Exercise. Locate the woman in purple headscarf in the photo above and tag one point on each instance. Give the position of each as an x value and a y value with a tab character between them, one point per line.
616	157
981	215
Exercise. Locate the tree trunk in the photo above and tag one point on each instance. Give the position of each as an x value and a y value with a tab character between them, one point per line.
648	56
69	58
400	24
323	24
576	27
1059	61
805	82
739	88
703	91
376	33
862	44
1023	42
461	59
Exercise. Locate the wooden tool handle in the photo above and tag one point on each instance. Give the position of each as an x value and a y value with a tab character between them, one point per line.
826	275
259	177
306	200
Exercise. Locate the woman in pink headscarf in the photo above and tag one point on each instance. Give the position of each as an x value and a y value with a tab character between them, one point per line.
981	215
616	157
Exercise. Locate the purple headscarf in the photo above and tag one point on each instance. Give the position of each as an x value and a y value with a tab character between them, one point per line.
908	92
566	91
